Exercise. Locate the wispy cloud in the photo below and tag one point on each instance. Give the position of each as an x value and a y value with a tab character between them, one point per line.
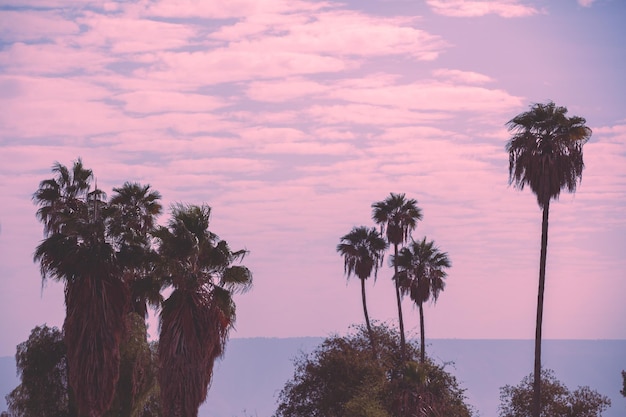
290	118
476	8
468	77
586	3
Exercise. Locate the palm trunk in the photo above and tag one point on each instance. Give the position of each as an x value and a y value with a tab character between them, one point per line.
367	320
542	281
422	337
399	301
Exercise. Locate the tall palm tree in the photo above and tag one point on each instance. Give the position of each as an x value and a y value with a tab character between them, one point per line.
133	210
421	274
197	317
75	251
397	217
363	251
545	153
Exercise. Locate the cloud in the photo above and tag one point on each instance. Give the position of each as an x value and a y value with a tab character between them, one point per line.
586	3
227	65
284	90
339	33
226	9
466	77
126	34
432	96
369	114
290	118
147	101
35	26
43	59
476	8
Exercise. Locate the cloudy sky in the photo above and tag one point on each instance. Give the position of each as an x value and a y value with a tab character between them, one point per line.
291	117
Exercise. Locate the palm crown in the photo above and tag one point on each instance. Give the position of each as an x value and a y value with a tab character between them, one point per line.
363	251
422	271
131	221
397	216
421	274
545	151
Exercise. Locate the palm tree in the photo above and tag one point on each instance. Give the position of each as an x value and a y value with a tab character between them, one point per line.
363	251
132	213
75	250
397	217
133	210
421	275
545	153
197	317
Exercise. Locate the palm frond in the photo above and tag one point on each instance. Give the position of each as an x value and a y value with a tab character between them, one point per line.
236	279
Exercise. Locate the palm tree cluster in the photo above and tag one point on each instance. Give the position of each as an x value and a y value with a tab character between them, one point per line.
545	153
419	266
115	261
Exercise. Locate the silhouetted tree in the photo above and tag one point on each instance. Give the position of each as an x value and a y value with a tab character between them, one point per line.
199	313
421	274
556	399
77	252
363	251
545	153
41	363
44	391
341	378
131	221
397	217
132	212
137	384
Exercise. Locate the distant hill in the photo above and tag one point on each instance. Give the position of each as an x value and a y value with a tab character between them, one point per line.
247	381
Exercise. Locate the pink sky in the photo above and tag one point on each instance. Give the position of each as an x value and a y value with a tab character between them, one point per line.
290	117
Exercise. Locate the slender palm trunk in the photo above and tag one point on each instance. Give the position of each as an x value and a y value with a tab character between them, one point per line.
367	320
422	337
399	301
542	281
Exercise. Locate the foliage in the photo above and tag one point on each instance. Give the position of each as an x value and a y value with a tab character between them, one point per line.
623	391
421	274
556	399
198	315
363	251
137	383
76	251
397	217
342	379
42	366
104	253
545	151
131	220
44	391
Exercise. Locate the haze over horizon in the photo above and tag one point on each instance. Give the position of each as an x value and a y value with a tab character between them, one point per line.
291	117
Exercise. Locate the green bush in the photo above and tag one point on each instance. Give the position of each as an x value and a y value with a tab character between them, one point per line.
342	378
